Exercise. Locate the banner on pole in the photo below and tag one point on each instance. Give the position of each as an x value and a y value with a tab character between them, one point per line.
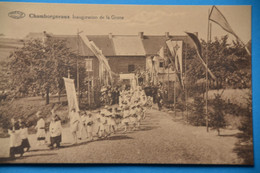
71	94
175	48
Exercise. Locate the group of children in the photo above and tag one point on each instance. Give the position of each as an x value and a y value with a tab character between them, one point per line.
18	132
106	121
101	123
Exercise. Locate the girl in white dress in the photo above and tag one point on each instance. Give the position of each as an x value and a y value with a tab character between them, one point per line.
41	135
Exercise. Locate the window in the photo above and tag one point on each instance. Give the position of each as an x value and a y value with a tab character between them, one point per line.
89	66
161	64
131	68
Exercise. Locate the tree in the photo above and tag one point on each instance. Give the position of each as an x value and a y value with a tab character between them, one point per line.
198	116
39	67
217	119
230	63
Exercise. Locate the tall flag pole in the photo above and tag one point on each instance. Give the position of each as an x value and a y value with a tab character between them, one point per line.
207	55
185	77
78	92
217	17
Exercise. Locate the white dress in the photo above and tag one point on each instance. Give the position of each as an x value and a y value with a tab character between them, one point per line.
40	129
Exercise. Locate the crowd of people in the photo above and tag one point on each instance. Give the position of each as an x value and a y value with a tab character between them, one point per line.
93	125
127	114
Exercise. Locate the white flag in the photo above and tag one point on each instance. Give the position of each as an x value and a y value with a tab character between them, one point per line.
71	94
175	48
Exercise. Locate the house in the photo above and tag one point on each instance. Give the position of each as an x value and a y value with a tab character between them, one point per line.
125	53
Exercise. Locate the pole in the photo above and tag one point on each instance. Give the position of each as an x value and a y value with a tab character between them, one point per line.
89	79
185	76
208	36
68	73
168	84
244	45
78	92
174	83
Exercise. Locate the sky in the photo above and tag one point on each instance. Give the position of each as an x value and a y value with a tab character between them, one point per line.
131	19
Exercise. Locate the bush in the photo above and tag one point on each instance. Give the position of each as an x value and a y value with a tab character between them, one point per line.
217	119
247	122
197	117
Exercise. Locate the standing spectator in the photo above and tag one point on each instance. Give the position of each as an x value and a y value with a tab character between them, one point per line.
55	131
41	135
24	136
159	99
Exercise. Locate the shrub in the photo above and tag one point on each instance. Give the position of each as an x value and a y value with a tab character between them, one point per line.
247	122
217	119
197	117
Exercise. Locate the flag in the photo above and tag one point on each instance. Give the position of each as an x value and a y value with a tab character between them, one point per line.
71	94
175	48
217	17
161	53
98	53
197	44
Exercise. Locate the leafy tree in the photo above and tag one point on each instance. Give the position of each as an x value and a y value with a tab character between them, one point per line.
39	67
230	63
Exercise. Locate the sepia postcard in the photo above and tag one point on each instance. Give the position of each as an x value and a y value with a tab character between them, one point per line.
135	84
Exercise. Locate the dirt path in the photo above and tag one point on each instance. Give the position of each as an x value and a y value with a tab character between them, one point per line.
159	140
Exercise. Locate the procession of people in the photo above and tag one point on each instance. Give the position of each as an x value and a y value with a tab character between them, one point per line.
92	125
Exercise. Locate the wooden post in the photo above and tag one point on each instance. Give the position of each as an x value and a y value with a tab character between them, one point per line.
174	83
185	82
207	52
78	92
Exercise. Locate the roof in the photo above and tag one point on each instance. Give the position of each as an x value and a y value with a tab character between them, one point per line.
128	46
110	45
152	44
102	42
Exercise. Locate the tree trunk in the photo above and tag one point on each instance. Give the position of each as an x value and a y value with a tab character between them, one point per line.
59	95
47	96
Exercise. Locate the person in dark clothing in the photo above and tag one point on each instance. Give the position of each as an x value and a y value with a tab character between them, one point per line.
24	136
159	99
